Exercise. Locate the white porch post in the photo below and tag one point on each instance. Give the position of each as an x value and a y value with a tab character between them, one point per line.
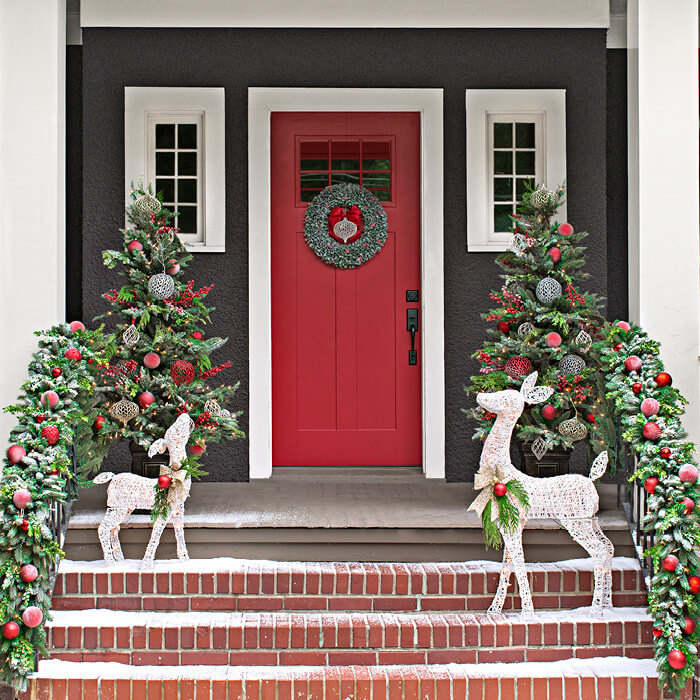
32	167
662	40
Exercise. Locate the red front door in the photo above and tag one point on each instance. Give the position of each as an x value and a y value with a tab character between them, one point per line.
343	391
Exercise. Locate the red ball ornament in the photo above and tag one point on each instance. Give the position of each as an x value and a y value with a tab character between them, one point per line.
518	366
196	449
503	327
72	354
650	407
22	498
549	412
676	659
49	399
40	417
650	484
617	347
32	616
56	372
76	326
665	453
637	388
131	246
651	431
565	229
15	454
173	267
164	481
689	505
500	489
553	340
28	573
198	335
663	379
670	563
623	325
694	584
145	399
50	433
182	372
99	422
25	525
688	473
633	364
10	630
689	625
151	360
555	254
656	632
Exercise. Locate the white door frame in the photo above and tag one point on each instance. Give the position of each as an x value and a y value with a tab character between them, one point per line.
261	103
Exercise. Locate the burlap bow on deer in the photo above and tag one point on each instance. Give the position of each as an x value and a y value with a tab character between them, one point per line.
486	478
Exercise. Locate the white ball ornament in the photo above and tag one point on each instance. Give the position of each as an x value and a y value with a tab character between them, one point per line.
542	197
525	329
548	290
161	286
571	364
688	473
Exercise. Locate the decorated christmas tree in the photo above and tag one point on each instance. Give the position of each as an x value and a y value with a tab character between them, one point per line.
161	364
543	321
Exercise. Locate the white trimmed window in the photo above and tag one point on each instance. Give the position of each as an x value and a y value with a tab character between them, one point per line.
515	138
174	140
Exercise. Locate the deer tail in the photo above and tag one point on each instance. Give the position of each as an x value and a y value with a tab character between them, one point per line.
599	466
103	478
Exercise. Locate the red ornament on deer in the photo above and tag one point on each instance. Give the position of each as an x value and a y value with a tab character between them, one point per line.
164	481
500	489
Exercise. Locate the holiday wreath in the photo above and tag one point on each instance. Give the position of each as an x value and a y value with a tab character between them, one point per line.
345	225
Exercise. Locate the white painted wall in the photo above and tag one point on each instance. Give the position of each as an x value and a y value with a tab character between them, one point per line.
662	40
32	198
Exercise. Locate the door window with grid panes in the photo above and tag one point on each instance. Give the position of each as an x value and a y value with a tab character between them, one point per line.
175	155
516	162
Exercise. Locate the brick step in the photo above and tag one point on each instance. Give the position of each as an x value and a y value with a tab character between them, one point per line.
577	679
338	639
240	585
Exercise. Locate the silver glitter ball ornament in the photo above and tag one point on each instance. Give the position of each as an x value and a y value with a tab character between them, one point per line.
548	290
161	286
542	198
525	329
147	204
571	364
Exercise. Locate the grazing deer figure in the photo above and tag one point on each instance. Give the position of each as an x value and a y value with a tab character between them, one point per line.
129	491
572	499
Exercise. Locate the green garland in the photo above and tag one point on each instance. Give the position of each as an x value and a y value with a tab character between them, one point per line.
676	532
325	246
24	535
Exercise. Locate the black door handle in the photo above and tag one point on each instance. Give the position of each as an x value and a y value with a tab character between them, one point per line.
412	327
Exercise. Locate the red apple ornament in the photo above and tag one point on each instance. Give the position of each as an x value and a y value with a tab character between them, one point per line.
656	632
633	364
49	399
32	616
22	498
99	422
145	399
77	326
10	630
500	489
676	659
650	484
151	360
164	481
688	473
198	335
15	454
28	573
134	245
50	433
24	525
40	417
196	449
670	563
617	347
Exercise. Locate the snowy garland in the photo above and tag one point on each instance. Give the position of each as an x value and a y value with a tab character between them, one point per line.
649	409
53	412
322	217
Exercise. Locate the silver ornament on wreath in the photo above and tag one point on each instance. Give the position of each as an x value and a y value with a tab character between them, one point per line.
542	198
583	341
130	336
524	329
571	364
212	407
539	447
161	286
147	204
548	290
573	429
124	410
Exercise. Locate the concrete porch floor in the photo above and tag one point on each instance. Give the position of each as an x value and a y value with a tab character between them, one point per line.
365	514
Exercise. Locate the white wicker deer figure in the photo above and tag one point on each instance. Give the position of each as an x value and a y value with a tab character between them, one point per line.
129	491
572	499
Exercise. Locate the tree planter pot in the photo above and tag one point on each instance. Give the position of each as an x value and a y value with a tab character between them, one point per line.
554	463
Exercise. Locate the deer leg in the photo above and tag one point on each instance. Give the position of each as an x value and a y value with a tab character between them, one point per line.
506	570
116	545
608	550
178	526
153	543
514	542
582	530
113	517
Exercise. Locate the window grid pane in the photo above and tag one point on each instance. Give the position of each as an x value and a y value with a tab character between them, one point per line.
177	170
513	165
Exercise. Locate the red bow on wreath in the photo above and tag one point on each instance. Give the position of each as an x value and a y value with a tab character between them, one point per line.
348	223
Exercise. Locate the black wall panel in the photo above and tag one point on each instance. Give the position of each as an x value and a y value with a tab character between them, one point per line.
236	59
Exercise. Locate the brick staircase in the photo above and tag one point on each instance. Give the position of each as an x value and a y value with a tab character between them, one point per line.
235	629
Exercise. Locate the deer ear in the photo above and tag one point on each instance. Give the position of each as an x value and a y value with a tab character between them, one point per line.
539	394
528	383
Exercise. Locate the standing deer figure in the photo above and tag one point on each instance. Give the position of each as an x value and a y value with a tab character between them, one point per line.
572	500
129	491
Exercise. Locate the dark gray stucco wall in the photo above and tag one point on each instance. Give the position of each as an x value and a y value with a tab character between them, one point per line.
236	59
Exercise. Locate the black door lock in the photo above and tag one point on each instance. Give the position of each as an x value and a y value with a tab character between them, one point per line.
412	327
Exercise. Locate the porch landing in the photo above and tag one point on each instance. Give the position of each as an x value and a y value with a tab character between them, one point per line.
348	514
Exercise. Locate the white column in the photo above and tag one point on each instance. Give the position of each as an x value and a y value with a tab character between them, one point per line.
32	197
662	40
